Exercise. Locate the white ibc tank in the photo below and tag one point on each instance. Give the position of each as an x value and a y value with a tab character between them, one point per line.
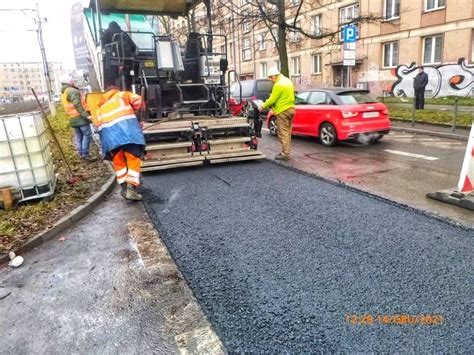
25	158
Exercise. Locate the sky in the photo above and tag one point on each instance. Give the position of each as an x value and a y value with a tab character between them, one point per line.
19	43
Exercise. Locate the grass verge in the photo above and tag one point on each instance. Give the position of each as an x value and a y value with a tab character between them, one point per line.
23	223
449	100
432	116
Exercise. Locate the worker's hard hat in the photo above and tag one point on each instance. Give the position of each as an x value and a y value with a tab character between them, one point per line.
66	79
273	72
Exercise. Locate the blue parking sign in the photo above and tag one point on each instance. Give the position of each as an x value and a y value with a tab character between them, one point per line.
349	33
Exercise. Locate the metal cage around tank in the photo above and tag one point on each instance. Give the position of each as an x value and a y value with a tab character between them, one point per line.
26	163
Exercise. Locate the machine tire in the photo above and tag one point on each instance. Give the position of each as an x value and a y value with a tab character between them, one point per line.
272	126
327	134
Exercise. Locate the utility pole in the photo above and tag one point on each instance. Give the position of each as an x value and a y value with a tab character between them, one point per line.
39	32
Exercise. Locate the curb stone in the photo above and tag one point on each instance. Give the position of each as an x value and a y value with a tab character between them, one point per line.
430	133
67	221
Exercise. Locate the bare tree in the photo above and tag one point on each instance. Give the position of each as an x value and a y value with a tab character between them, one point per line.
276	14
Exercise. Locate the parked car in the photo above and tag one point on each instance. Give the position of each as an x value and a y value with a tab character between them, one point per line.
337	114
258	89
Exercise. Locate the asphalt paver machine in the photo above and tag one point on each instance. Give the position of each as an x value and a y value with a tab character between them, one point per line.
186	88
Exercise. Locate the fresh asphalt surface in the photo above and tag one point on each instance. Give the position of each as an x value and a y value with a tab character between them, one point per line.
277	259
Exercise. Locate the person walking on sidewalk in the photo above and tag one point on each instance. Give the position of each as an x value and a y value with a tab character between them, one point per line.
282	101
121	137
421	80
79	118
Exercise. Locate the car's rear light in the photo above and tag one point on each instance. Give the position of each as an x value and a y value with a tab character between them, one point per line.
349	114
385	111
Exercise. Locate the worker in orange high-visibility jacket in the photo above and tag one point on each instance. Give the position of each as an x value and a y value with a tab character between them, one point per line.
121	137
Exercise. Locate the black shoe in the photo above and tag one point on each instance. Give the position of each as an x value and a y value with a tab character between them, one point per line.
88	159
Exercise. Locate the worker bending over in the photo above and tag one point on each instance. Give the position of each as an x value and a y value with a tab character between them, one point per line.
121	137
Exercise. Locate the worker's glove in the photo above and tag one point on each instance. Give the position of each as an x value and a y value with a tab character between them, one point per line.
259	104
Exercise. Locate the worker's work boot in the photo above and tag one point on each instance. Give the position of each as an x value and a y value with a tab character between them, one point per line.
132	193
282	156
123	189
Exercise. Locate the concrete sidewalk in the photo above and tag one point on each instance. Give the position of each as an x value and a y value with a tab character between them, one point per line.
431	129
92	293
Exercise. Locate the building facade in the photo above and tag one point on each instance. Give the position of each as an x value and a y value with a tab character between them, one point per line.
18	78
434	33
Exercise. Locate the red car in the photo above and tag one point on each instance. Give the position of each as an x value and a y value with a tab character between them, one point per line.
337	114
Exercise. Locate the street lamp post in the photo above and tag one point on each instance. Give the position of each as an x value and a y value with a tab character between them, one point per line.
39	31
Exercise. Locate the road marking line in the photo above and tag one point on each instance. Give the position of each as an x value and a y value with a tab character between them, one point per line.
412	155
265	129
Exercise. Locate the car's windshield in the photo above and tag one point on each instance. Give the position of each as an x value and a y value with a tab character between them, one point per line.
264	86
356	97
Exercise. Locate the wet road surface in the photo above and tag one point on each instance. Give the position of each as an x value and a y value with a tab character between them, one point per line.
279	259
402	167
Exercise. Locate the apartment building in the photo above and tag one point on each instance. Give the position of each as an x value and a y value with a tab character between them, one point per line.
432	33
17	79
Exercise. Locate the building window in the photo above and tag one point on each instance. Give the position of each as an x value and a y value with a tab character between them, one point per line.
275	35
317	26
348	13
432	49
296	66
390	54
246	26
231	49
392	9
278	64
295	35
246	49
263	70
434	4
317	64
262	44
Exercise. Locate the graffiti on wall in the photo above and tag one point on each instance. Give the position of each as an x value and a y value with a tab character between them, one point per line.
444	80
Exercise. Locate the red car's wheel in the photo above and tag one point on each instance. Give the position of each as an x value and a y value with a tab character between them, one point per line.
327	134
272	126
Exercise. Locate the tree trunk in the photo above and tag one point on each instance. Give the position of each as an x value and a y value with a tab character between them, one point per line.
282	50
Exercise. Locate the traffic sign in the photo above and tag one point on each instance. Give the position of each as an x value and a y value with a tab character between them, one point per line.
349	33
349	54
